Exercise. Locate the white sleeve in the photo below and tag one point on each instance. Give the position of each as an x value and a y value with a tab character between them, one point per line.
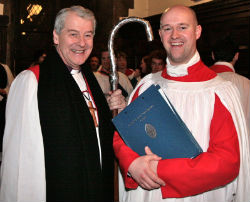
103	82
125	83
22	169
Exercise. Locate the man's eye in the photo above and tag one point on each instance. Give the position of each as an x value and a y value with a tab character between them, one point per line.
88	35
183	27
167	29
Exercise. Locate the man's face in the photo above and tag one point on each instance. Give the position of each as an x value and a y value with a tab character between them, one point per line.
94	63
157	65
121	63
105	59
179	32
75	42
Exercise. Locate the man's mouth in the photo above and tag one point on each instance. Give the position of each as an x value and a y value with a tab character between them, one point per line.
78	51
177	43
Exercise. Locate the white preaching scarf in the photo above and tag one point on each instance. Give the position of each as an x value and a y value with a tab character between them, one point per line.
77	75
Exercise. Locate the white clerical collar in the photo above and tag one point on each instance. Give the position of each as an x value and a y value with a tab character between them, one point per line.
182	70
75	71
228	64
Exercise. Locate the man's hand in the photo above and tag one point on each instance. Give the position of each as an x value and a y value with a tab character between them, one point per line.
144	171
116	100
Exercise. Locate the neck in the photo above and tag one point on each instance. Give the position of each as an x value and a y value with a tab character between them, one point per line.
182	69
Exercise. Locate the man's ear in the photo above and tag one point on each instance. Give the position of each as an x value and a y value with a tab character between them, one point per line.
236	56
160	34
212	54
55	37
198	31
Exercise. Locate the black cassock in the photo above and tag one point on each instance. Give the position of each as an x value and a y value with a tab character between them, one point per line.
72	162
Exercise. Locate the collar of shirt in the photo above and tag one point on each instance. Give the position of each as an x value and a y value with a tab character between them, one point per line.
225	64
73	71
182	70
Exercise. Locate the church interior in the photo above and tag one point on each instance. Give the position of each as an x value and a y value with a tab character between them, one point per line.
27	25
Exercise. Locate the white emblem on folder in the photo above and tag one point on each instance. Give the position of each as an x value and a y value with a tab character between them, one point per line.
150	130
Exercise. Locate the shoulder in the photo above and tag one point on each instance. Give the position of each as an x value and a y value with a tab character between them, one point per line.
122	75
25	77
36	71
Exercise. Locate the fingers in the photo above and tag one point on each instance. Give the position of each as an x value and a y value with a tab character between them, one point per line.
152	181
148	184
143	170
116	100
149	152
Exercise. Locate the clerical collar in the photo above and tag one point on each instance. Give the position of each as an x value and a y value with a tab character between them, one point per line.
229	65
73	71
182	70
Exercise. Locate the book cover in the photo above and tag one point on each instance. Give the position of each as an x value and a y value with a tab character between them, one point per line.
151	120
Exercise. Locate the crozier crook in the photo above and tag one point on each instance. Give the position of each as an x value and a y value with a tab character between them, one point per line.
150	37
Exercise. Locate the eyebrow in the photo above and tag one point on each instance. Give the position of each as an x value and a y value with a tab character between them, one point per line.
182	23
162	26
73	30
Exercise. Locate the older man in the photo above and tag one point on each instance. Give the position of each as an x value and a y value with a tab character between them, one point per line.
210	107
58	136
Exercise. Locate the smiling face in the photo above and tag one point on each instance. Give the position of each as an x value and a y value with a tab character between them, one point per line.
105	60
75	42
179	32
157	65
121	64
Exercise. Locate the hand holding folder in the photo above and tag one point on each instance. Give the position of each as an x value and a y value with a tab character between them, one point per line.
151	120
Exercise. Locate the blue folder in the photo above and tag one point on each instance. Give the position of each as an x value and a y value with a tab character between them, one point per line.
150	120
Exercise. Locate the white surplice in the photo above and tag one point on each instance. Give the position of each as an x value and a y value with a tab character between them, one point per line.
23	152
189	100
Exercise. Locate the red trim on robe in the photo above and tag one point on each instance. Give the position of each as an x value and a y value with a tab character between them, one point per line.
196	73
129	72
221	68
136	94
104	72
36	70
88	88
186	177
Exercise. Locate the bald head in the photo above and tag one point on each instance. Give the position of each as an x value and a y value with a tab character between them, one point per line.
179	31
180	9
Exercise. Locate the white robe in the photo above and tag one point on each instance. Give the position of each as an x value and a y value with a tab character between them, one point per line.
104	82
243	85
189	103
23	153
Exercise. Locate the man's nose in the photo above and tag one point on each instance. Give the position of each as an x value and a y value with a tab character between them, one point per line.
82	41
175	34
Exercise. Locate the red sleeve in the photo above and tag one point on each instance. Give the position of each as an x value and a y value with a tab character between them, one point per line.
125	155
216	167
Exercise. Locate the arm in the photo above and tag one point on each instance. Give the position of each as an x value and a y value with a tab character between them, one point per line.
216	167
22	169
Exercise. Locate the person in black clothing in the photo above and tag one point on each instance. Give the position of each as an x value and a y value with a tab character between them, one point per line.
63	129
